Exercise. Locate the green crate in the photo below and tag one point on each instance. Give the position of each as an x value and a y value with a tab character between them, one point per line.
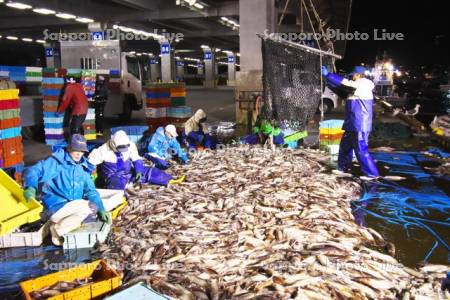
9	114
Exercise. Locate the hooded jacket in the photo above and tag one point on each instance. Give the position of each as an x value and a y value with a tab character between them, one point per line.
117	166
62	180
162	146
75	97
193	124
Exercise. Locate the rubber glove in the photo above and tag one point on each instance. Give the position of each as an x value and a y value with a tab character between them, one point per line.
325	71
29	193
138	177
177	181
104	216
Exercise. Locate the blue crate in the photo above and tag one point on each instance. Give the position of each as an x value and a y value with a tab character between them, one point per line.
52	142
10	133
51	92
52	80
54	125
152	95
331	124
130	130
51	115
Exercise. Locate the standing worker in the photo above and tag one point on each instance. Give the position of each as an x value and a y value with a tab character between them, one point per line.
75	97
100	98
358	120
122	165
67	188
196	132
163	146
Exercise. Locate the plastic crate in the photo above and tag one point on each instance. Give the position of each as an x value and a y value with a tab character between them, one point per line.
87	235
139	291
130	130
9	94
10	133
22	239
116	211
106	279
15	211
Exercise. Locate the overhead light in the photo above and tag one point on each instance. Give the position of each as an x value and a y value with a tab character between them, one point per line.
132	52
44	11
218	49
138	54
65	16
12	38
18	5
40	41
224	19
204	47
177	57
27	40
177	40
199	6
115	26
84	20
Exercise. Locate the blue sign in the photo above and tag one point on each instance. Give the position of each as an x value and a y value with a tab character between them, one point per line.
208	55
97	36
152	61
230	59
165	48
49	52
200	65
180	63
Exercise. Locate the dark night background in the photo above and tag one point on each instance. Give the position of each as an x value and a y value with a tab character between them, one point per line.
425	24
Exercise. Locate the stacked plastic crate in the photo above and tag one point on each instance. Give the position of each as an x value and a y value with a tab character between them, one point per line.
134	132
178	113
157	102
330	136
52	88
33	74
16	74
11	147
88	82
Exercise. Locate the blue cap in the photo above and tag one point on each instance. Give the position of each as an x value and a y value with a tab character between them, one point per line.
358	70
77	143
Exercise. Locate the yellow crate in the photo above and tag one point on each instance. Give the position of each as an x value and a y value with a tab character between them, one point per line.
89	137
330	130
105	279
9	94
15	210
116	211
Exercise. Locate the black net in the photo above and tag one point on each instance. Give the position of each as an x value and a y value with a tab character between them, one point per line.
291	80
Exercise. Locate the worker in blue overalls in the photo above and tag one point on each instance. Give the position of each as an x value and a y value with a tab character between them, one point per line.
358	120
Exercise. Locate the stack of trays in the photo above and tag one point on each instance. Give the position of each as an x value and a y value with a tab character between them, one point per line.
52	87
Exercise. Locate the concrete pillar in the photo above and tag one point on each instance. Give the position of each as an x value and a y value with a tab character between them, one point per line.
249	78
180	70
155	71
200	69
231	69
210	78
166	62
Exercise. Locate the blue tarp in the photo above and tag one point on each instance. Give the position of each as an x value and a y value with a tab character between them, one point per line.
417	202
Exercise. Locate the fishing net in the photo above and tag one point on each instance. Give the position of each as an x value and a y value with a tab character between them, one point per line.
291	80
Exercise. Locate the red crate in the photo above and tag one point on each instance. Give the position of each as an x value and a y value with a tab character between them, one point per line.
9	123
9	104
162	102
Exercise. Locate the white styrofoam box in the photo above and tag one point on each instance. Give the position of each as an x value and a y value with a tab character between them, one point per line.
111	198
91	111
21	239
33	69
139	291
87	235
90	117
333	149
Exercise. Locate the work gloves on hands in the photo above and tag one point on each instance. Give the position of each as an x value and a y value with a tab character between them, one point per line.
29	193
104	216
138	177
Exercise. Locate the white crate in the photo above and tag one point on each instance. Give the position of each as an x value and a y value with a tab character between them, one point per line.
87	235
21	239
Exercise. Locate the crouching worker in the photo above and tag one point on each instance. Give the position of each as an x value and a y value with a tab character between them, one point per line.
163	146
262	132
196	132
67	188
120	164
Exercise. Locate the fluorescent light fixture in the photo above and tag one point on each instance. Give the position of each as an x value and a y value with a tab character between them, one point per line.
199	6
224	19
84	20
115	26
204	47
218	49
132	52
65	16
18	5
44	11
177	57
12	38
177	40
40	41
138	54
27	40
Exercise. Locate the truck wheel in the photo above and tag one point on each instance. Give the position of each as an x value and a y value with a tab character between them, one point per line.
127	109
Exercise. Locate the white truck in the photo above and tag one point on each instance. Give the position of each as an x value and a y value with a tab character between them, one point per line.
103	56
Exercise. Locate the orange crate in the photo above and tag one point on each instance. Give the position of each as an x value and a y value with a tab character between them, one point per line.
105	278
51	98
11	146
336	136
12	160
162	102
9	123
48	108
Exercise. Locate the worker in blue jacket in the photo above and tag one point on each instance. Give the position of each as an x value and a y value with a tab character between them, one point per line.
163	146
67	188
358	120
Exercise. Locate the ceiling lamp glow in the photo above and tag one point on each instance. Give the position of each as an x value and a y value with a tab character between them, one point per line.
12	38
199	6
40	41
65	16
44	11
84	20
27	40
18	5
